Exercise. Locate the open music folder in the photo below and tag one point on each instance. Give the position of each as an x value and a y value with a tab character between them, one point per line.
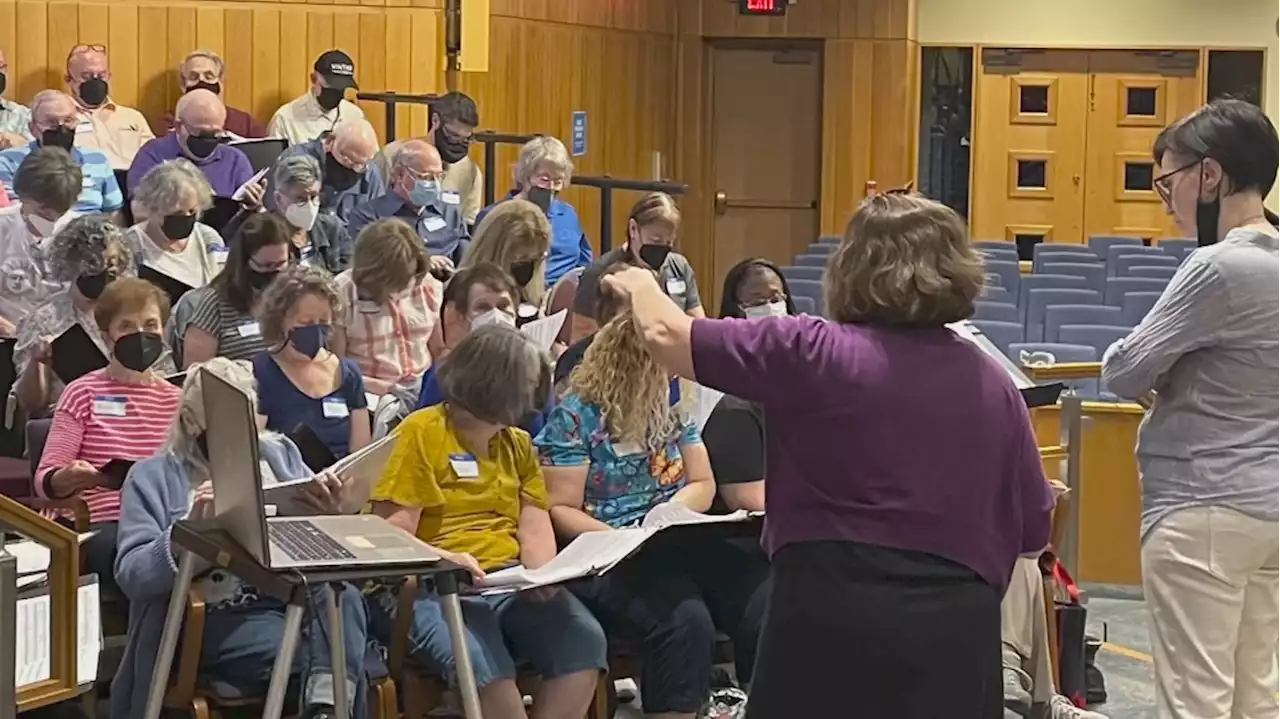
1035	395
593	553
75	354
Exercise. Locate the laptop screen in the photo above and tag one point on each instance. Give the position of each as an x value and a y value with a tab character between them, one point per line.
233	463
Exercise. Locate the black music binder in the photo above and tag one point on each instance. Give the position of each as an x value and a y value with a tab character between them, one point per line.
315	453
172	287
75	354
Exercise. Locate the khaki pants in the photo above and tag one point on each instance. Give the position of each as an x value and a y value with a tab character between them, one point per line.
1209	576
1023	628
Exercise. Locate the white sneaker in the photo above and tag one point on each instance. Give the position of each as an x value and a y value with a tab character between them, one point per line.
1061	707
1017	691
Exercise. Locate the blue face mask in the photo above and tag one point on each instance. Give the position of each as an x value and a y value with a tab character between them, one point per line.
424	192
309	339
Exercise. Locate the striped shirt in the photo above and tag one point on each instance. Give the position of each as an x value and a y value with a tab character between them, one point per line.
238	333
389	340
99	419
99	191
1209	350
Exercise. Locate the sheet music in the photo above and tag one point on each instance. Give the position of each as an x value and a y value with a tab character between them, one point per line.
32	641
674	514
543	331
359	472
32	557
238	195
588	553
966	330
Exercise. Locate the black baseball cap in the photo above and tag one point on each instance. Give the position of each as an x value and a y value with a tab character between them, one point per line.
337	68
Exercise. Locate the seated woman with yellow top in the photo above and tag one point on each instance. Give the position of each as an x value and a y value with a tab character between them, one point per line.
465	478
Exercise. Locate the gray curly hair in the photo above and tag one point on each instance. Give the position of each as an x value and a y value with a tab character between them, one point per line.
163	188
286	290
89	245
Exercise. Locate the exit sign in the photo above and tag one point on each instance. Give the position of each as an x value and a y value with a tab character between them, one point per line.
762	7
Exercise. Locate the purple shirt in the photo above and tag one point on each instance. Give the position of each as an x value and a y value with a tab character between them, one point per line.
904	438
226	169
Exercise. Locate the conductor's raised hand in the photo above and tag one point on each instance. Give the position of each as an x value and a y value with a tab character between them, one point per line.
625	284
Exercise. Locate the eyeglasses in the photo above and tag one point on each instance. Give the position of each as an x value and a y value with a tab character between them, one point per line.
82	49
1163	185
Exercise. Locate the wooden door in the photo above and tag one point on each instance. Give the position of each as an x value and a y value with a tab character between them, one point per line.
766	120
1134	95
1029	146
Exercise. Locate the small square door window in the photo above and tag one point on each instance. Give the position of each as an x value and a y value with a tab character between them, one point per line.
1032	174
1033	99
1140	101
1138	176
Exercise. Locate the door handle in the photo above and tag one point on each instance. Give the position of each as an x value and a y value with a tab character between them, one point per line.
721	202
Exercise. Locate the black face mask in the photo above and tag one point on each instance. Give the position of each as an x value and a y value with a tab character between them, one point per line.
93	92
64	137
541	197
3	82
176	227
329	98
214	87
1207	215
522	272
91	286
259	280
201	146
451	151
654	255
337	175
138	351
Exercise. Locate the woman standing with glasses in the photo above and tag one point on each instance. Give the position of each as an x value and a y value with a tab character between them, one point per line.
1207	450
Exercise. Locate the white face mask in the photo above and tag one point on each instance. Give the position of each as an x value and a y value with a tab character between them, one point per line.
494	316
43	227
302	215
768	309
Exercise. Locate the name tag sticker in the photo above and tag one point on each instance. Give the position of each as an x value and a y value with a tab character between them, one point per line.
335	408
85	125
249	329
623	449
675	287
464	465
434	223
368	307
451	198
218	253
105	405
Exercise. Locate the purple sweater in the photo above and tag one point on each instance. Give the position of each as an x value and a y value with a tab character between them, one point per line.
226	169
904	438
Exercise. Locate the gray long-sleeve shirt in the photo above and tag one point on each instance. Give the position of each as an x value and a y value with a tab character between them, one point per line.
1209	350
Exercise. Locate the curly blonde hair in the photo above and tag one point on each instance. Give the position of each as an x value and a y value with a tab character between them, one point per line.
620	376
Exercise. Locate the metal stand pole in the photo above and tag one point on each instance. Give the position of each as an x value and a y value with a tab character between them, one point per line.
1071	419
337	651
447	589
8	628
284	663
169	637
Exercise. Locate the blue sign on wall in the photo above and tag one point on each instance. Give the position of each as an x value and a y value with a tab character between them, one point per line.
578	138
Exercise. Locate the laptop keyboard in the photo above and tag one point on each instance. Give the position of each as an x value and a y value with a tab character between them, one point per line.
304	542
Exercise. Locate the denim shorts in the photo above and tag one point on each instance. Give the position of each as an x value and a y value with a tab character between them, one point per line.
556	637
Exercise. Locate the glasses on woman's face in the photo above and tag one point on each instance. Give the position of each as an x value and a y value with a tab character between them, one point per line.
277	266
1163	184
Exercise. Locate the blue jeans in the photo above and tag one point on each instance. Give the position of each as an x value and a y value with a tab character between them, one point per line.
240	645
557	636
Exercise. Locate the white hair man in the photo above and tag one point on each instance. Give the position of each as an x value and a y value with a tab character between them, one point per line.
206	70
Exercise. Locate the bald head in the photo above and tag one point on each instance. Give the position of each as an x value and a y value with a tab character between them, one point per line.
416	162
418	156
201	111
354	143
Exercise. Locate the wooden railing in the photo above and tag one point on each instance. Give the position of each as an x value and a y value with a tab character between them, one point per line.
64	550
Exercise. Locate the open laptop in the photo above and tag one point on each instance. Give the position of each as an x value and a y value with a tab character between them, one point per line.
286	542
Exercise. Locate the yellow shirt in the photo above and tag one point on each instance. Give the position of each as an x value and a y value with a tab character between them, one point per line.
117	131
478	515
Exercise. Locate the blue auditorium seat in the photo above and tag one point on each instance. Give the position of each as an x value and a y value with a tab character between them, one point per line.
1053	353
819	248
1177	246
1136	305
1001	334
1094	272
1058	315
1047	282
1102	244
992	293
1078	258
810	261
811	289
1115	253
1155	273
802	273
995	245
1099	337
805	305
1009	271
998	311
830	239
1040	299
1002	254
1125	261
1064	248
1118	287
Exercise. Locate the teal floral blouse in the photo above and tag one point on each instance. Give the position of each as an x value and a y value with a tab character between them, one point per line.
622	483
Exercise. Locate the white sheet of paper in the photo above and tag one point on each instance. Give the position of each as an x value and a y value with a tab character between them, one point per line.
32	639
32	557
589	552
672	514
238	195
543	331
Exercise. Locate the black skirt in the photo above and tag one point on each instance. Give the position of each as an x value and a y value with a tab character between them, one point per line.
856	631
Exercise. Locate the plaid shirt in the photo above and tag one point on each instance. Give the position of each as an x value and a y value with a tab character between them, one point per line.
389	341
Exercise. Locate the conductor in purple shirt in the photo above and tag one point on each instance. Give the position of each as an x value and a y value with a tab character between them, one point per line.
904	476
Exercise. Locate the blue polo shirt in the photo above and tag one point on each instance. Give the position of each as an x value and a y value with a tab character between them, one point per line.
226	168
430	396
440	225
570	247
101	192
340	203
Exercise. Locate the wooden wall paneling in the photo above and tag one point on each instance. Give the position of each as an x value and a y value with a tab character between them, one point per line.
371	68
267	93
27	54
64	33
426	48
154	69
237	89
123	32
295	57
846	130
694	151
